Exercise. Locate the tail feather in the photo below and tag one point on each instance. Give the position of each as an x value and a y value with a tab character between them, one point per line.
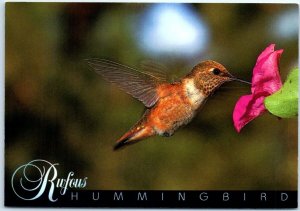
124	140
136	134
120	144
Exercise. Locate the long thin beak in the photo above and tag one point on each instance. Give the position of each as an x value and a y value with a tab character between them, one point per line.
237	79
240	80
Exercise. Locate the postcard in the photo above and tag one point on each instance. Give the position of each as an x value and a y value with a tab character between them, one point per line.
151	105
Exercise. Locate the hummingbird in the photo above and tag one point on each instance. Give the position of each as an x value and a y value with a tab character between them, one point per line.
169	105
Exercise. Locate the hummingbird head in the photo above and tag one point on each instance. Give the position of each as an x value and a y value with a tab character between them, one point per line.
209	75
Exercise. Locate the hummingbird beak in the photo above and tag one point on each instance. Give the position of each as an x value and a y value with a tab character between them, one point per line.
237	79
240	80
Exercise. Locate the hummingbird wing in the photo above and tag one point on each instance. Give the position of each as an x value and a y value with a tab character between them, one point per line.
155	69
140	84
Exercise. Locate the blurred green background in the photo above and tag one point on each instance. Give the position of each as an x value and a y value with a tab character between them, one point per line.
57	109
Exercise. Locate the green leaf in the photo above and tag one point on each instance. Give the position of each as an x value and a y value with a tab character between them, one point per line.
284	102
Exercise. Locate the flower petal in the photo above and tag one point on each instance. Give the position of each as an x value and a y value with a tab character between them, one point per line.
266	76
265	81
268	50
254	107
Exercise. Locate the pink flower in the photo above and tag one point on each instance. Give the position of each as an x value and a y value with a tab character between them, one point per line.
265	81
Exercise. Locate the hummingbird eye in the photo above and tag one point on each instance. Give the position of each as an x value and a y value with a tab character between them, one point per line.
216	71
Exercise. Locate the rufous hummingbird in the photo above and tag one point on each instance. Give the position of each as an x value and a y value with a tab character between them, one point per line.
168	105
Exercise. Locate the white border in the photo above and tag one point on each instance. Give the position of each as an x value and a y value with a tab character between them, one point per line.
2	77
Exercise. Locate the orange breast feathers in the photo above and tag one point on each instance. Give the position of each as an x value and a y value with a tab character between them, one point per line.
172	109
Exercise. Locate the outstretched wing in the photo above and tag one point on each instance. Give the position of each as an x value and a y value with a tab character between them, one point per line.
141	85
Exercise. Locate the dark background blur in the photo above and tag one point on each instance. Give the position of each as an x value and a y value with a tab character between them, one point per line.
57	109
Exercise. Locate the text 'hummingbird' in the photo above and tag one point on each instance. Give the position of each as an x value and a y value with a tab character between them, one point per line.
169	105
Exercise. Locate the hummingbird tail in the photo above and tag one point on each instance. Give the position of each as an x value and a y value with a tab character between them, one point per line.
136	134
